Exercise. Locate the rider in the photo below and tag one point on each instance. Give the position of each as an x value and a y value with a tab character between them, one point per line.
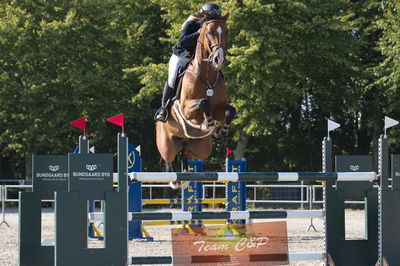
182	53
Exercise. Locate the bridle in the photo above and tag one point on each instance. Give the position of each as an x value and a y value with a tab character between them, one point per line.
211	46
209	59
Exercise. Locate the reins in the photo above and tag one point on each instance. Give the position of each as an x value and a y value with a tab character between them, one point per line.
210	87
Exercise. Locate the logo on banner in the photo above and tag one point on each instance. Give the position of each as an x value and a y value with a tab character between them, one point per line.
131	159
91	167
244	244
354	167
54	168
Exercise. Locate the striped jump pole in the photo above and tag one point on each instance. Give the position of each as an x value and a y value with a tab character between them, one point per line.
225	215
254	176
250	258
176	216
183	201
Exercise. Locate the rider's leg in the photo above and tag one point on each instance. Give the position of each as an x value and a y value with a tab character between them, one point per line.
162	113
174	63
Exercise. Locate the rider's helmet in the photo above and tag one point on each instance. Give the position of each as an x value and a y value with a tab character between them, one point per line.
211	8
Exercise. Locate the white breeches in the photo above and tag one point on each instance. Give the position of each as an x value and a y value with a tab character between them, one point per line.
174	63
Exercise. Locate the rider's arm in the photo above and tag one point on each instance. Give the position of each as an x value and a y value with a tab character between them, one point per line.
189	34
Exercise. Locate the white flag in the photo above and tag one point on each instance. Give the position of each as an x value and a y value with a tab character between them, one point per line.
138	150
389	122
332	125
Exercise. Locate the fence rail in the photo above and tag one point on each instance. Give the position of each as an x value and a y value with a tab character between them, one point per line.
309	194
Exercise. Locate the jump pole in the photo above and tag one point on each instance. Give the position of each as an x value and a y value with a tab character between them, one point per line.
254	176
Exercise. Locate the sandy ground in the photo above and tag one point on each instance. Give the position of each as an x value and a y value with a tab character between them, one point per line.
299	239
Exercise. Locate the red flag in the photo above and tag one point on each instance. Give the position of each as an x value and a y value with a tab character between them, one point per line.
228	151
118	120
80	123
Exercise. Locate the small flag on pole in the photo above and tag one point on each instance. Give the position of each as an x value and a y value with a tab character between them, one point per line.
91	150
117	120
138	150
332	125
228	151
79	123
389	122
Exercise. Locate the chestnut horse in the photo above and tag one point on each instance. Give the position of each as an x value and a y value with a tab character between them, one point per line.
203	100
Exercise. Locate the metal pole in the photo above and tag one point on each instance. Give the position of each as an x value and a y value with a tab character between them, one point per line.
255	195
309	198
214	195
3	202
301	196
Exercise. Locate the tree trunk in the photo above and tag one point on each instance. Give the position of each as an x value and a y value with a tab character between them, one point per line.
241	146
28	166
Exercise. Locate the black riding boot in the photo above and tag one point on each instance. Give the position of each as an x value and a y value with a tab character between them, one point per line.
162	113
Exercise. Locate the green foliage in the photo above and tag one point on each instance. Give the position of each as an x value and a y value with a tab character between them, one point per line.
290	65
67	59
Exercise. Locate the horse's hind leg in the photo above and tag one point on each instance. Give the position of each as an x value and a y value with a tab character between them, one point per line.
168	146
169	167
184	168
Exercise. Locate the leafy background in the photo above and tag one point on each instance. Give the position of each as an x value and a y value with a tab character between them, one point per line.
291	64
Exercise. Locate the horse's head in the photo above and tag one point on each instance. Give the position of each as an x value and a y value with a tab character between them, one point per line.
214	38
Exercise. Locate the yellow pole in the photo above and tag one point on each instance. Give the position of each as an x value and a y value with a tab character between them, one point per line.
97	232
144	231
183	201
183	222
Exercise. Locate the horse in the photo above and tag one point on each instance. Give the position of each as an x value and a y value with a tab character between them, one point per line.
203	100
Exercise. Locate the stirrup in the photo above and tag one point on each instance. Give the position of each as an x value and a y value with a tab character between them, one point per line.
159	117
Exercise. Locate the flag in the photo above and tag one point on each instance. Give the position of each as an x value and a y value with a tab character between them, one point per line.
332	125
91	150
389	122
79	123
138	149
117	120
228	151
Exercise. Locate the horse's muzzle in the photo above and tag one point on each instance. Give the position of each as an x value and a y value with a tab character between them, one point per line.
219	58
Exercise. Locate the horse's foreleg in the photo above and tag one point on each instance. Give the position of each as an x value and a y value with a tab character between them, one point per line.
230	115
205	106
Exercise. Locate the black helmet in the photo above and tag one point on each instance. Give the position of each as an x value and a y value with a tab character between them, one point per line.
211	8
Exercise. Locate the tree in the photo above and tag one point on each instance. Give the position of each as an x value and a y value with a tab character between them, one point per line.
68	59
291	65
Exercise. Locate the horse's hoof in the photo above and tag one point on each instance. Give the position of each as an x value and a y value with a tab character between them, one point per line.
174	184
220	133
184	184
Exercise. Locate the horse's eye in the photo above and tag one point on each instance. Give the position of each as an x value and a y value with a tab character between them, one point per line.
208	33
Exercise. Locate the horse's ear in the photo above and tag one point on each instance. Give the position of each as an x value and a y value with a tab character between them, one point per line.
226	16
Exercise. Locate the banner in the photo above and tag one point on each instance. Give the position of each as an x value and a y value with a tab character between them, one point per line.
242	244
